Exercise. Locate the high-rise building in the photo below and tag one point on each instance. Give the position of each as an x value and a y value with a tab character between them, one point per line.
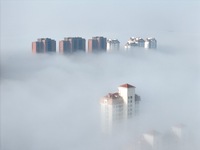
113	45
97	44
117	106
134	42
72	44
150	43
43	45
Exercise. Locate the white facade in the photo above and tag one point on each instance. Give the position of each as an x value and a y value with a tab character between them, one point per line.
153	139
150	43
111	110
117	106
113	45
177	130
134	42
127	92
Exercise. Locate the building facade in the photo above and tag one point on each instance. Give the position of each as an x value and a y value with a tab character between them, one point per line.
134	42
118	106
72	44
113	45
44	45
97	44
150	43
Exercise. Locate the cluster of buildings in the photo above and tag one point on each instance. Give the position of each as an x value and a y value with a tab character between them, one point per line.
173	138
118	106
149	43
96	44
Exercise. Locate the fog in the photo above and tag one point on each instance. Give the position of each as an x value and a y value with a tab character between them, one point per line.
51	101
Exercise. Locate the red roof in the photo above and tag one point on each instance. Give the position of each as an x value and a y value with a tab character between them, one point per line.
127	86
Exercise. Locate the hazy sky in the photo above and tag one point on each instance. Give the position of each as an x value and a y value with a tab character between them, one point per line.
23	21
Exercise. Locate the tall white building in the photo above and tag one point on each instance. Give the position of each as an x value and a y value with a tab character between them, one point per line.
113	45
150	43
118	106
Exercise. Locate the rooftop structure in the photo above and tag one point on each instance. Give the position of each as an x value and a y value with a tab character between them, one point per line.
97	44
118	106
43	45
72	44
113	45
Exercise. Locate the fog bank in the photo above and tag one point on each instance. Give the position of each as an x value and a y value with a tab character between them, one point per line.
52	101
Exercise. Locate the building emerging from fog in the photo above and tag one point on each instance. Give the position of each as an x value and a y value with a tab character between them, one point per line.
150	43
139	42
97	44
174	139
118	106
113	45
134	42
72	44
150	141
43	45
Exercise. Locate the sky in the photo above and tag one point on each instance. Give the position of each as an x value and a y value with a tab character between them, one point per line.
23	21
52	101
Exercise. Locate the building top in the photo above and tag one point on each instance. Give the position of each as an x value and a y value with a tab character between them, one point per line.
127	86
112	98
41	39
68	38
114	41
98	37
150	39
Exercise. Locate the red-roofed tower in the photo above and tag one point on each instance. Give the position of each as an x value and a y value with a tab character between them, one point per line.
127	92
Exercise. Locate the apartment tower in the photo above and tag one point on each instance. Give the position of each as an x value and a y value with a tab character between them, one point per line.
113	45
97	44
72	44
118	106
43	45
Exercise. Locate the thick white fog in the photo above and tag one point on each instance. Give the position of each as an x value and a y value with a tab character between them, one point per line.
52	101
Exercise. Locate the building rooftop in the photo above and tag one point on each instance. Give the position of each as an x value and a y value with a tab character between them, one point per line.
127	85
112	98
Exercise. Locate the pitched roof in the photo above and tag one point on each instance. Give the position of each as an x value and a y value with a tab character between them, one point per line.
127	85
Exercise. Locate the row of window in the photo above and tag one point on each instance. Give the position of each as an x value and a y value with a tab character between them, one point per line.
129	101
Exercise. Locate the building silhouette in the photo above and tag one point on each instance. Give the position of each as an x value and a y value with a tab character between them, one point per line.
43	45
118	106
97	44
72	44
113	45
